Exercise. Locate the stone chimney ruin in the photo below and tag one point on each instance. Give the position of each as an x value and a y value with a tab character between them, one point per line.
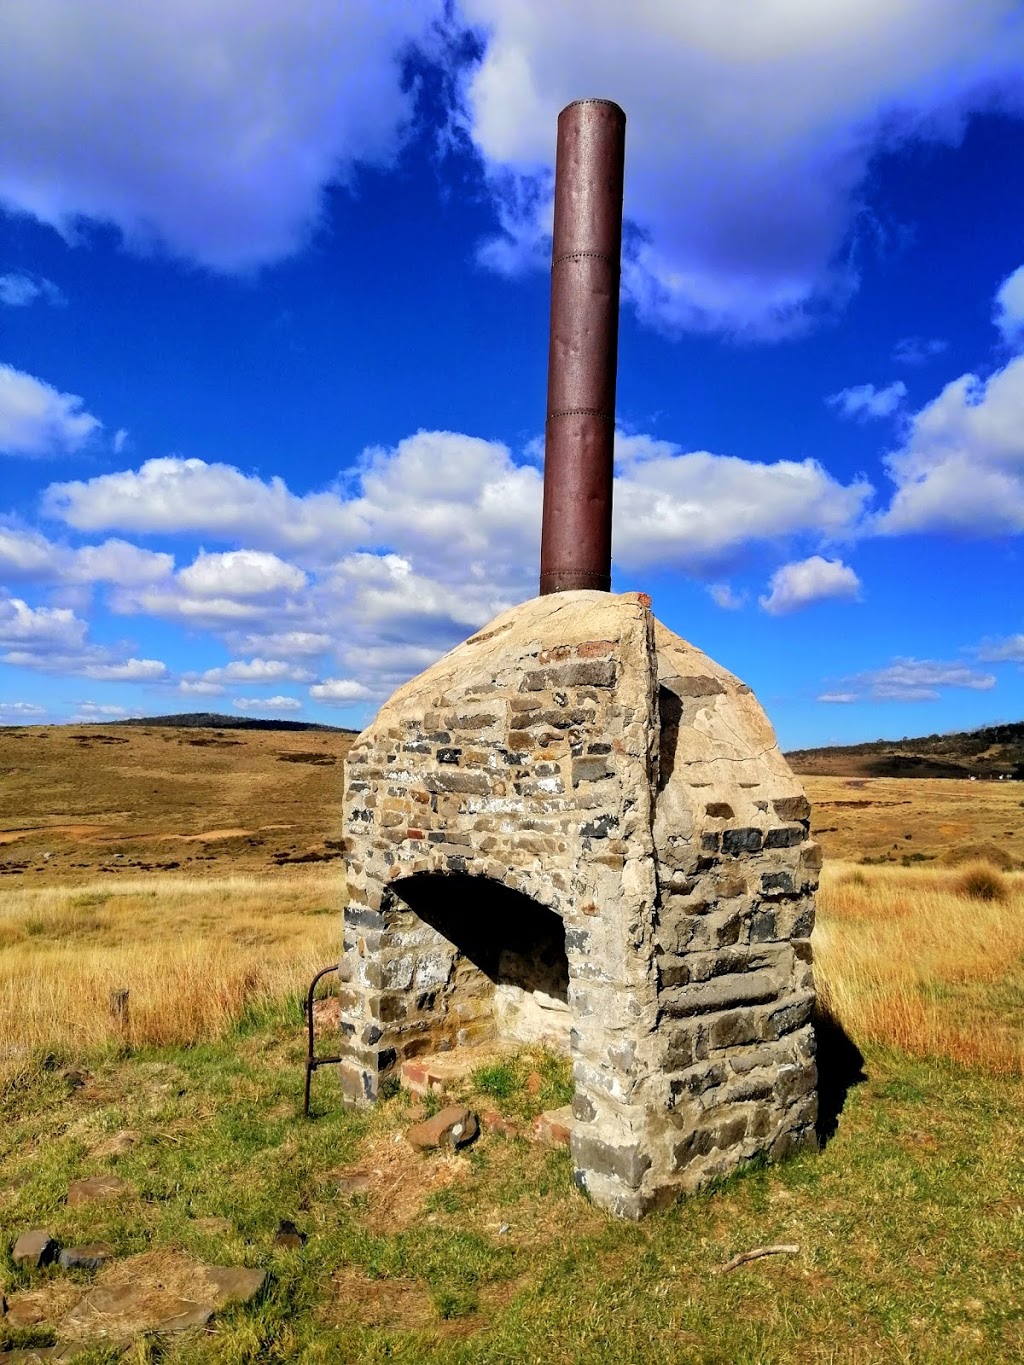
576	829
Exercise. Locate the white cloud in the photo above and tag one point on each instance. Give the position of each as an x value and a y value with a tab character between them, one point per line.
339	691
810	580
291	643
751	131
257	671
240	573
267	704
961	467
723	596
202	687
117	561
864	401
90	710
1009	650
25	710
240	115
18	290
911	680
917	350
120	440
37	420
130	670
22	626
1009	308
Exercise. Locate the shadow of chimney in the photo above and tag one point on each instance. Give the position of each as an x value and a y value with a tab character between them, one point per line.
840	1068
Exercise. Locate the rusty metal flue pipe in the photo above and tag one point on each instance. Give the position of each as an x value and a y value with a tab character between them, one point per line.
576	535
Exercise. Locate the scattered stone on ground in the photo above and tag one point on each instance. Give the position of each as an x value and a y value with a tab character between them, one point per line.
455	1126
288	1235
215	1225
95	1187
493	1122
353	1180
120	1312
34	1248
91	1256
534	1083
554	1126
234	1283
118	1144
25	1310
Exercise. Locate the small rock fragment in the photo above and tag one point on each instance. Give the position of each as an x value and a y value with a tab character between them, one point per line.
95	1187
534	1083
503	1229
288	1235
23	1311
353	1181
455	1126
34	1248
494	1122
554	1126
91	1256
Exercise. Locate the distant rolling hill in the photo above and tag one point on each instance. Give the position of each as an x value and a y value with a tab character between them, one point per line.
210	720
992	753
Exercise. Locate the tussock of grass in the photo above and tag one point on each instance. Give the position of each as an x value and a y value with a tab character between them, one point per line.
923	960
196	955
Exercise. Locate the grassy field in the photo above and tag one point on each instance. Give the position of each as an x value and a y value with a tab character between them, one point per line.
909	1221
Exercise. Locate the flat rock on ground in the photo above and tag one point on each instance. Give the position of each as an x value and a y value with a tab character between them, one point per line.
234	1283
120	1312
34	1248
95	1187
90	1256
554	1126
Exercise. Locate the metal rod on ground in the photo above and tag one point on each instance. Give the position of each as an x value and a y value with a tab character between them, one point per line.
576	537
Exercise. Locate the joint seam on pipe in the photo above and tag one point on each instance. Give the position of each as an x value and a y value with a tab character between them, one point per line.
585	255
582	412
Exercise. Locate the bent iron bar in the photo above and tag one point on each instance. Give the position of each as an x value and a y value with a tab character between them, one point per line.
312	1061
586	254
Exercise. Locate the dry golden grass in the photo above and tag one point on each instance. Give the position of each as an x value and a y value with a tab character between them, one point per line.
195	955
928	960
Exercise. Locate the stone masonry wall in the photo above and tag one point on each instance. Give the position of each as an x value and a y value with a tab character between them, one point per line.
577	753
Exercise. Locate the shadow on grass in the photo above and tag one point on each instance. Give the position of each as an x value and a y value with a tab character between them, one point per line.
840	1067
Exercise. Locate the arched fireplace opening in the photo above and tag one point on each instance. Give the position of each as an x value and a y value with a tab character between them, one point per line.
474	962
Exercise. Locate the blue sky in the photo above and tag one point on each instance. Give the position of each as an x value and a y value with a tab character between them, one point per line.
273	345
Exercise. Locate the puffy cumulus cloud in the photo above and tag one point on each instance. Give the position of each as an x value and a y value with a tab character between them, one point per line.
910	680
961	466
201	687
115	561
18	290
35	419
339	691
21	710
257	671
24	627
267	704
1009	308
696	511
751	130
240	114
805	581
174	496
27	554
240	573
864	401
